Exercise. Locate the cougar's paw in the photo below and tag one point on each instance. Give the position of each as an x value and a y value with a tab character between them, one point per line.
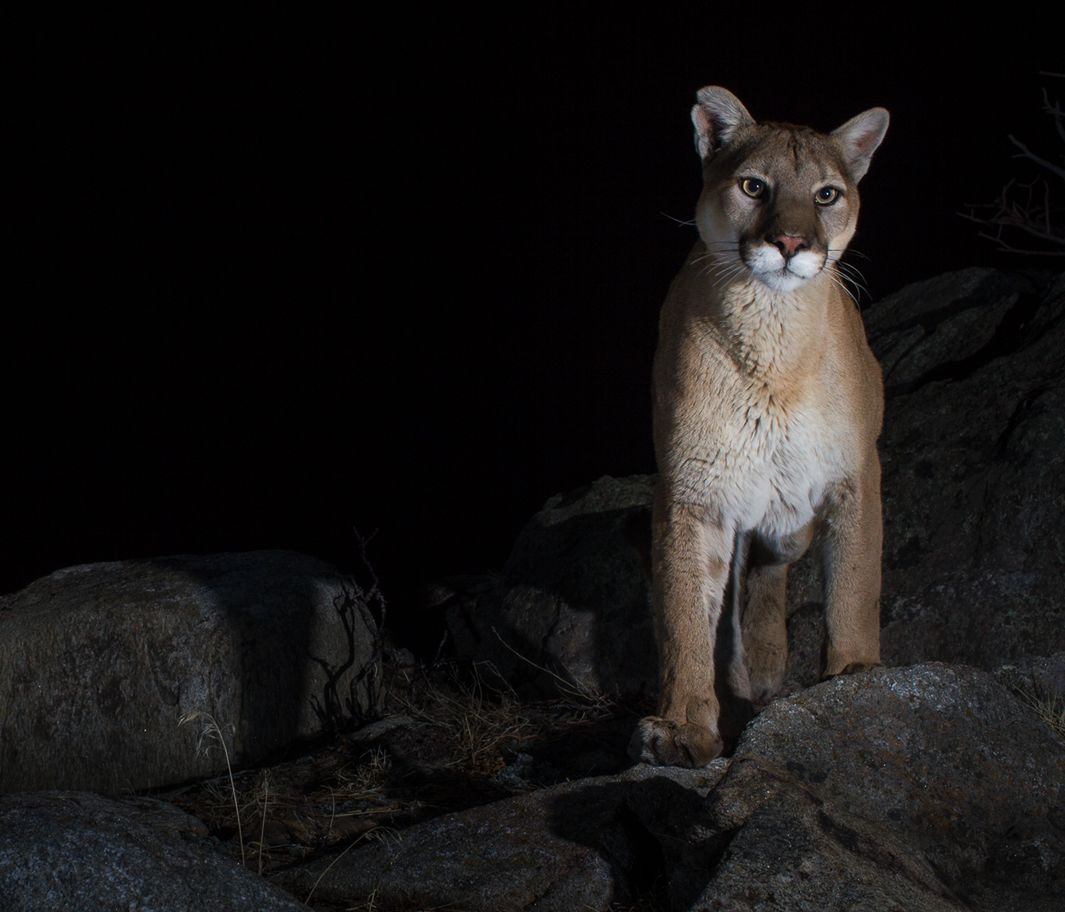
662	742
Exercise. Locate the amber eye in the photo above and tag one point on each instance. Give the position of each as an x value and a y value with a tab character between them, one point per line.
826	196
753	187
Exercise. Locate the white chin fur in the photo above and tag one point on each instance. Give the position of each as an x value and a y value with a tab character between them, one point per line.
781	281
768	265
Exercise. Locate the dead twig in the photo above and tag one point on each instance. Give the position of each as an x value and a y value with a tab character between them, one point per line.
1026	210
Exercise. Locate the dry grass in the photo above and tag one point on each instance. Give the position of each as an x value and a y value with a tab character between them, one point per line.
481	721
1049	706
299	807
454	729
370	900
370	776
477	721
569	686
211	733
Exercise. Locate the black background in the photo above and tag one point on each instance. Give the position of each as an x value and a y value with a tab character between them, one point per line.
275	280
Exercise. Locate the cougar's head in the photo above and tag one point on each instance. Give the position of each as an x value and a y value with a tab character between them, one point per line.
779	201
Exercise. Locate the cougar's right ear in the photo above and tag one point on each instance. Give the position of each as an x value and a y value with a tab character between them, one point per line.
717	116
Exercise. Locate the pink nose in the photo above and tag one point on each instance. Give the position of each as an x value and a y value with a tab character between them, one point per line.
788	244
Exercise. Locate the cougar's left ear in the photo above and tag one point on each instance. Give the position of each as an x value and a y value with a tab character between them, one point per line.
716	117
859	138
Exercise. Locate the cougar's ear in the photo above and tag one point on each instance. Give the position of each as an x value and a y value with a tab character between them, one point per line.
859	138
717	116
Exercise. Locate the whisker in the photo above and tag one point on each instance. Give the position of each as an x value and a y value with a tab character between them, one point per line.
853	279
851	272
839	284
852	275
716	253
843	264
856	279
842	281
722	273
677	220
729	273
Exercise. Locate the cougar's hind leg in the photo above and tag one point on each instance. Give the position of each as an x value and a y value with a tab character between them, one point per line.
765	631
732	680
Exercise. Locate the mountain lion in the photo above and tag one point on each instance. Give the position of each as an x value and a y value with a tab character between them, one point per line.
767	406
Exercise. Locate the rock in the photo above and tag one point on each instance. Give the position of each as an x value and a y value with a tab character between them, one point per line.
557	850
974	467
1040	683
1038	676
71	850
973	451
921	789
853	796
103	660
571	610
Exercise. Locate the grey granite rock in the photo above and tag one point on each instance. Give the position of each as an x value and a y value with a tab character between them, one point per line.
571	609
79	851
98	663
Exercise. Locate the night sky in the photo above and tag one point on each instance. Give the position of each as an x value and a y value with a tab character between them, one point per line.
274	281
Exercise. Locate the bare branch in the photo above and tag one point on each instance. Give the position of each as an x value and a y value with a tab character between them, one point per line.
1031	156
1027	228
1054	109
1009	248
1026	208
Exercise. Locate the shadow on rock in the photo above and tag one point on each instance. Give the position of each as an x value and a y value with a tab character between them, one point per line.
571	611
651	832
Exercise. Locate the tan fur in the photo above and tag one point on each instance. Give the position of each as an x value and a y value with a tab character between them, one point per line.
767	407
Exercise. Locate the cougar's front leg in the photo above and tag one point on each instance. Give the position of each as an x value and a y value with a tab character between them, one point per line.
852	545
691	553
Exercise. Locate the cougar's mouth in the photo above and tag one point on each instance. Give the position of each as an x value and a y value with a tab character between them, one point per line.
780	271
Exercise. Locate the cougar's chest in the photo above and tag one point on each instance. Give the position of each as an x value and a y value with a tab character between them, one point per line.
787	488
780	482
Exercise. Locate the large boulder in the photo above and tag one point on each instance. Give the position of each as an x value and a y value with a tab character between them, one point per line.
71	850
571	609
973	451
99	663
974	467
929	787
922	789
